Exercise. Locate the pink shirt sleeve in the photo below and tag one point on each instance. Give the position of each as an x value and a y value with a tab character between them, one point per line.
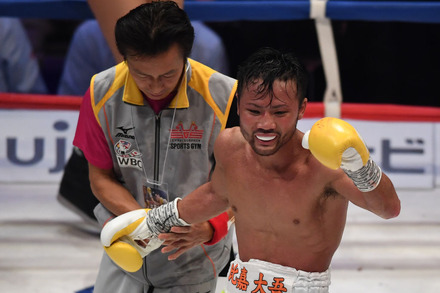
90	138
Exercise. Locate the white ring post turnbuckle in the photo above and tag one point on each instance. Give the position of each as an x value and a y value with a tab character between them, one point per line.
333	94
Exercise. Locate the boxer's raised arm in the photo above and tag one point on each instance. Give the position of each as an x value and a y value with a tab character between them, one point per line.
337	144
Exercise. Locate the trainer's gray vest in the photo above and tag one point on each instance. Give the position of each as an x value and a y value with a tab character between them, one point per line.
201	109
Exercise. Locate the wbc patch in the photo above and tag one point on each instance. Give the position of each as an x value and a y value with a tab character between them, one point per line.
186	138
127	156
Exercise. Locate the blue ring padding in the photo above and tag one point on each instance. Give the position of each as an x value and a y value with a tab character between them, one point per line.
257	10
247	10
407	11
50	9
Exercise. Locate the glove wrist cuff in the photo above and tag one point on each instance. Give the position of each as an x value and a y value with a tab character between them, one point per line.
161	219
366	178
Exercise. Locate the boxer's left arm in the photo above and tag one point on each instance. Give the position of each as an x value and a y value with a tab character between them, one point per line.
336	144
189	230
196	208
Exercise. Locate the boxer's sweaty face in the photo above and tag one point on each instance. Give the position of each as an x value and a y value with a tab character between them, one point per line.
268	120
157	76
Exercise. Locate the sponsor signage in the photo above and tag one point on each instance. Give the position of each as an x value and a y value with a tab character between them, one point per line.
35	144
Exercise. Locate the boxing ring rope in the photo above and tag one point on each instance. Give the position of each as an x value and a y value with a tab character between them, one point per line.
39	102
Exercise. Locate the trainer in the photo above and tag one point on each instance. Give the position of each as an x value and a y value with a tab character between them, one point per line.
147	128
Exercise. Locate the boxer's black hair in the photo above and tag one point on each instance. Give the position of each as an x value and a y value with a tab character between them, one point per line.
269	65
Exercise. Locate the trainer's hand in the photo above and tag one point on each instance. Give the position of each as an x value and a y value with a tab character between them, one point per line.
182	239
127	239
337	144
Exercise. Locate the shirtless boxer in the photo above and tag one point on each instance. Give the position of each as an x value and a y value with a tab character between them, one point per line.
290	202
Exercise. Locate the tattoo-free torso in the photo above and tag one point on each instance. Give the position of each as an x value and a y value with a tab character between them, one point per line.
290	216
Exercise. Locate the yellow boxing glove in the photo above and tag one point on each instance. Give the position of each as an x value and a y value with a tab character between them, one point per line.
119	239
337	144
121	236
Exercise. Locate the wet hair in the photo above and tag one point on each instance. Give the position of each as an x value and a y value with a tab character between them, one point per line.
152	28
269	65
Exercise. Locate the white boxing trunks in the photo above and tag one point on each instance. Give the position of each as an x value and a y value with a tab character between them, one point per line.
260	276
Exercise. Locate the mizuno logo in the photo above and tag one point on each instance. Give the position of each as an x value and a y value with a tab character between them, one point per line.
124	130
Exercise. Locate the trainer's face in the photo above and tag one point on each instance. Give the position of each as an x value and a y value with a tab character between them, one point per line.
159	75
268	122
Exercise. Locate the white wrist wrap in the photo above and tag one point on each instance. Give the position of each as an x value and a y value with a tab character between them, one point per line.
366	178
161	219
